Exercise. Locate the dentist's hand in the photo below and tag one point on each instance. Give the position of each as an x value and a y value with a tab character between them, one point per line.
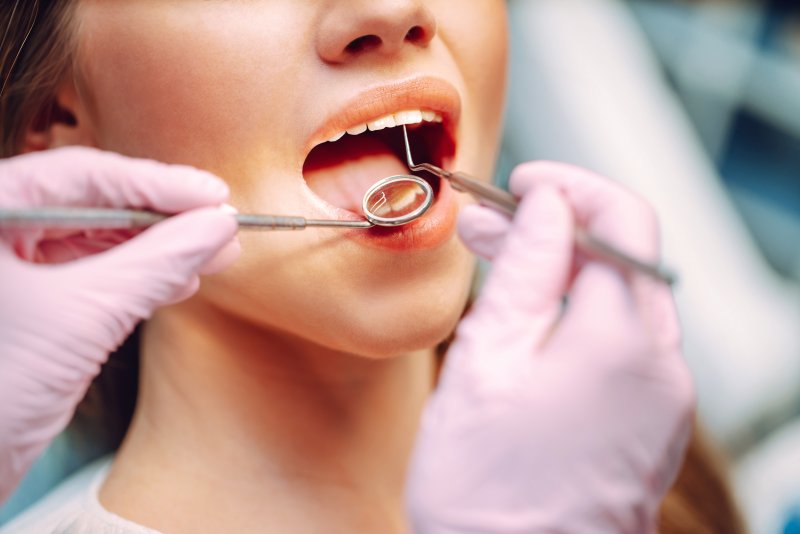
551	417
66	301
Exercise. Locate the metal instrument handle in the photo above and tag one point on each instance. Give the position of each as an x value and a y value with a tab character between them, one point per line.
270	222
78	218
487	194
508	203
116	219
594	246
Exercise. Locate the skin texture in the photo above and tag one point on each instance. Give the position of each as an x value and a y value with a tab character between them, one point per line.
233	87
287	392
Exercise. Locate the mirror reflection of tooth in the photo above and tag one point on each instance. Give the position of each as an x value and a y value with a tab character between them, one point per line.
398	200
406	201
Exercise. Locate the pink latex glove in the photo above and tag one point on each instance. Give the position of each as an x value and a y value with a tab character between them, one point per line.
552	419
60	321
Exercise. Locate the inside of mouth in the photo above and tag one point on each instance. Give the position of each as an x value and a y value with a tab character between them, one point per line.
341	172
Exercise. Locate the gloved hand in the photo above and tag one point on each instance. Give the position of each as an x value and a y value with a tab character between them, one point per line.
60	321
551	417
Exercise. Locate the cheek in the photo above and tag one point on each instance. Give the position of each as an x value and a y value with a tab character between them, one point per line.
477	39
180	89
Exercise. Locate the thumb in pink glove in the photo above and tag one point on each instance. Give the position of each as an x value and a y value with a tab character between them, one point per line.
59	322
554	418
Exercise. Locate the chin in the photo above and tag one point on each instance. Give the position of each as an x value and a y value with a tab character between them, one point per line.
418	310
366	317
401	320
385	334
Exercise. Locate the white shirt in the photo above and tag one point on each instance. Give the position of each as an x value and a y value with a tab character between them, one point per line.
74	508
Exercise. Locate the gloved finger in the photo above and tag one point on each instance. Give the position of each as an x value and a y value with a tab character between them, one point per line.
607	304
46	247
601	206
659	312
229	253
601	311
527	280
605	210
80	176
483	230
160	266
224	258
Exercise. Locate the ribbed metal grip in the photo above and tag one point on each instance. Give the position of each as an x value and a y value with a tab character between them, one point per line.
115	219
83	218
270	222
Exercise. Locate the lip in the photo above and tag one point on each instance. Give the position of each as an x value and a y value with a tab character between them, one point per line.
424	92
428	93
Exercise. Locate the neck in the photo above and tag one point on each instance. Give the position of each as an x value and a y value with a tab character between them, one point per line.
245	422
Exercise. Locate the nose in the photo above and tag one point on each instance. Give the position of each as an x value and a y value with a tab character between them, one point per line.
355	28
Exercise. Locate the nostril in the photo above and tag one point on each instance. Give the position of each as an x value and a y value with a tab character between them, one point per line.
363	44
416	34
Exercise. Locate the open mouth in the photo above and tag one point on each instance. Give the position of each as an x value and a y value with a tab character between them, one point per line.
341	170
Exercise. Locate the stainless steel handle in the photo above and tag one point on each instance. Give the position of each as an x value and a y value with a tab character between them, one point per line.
270	222
115	219
87	218
508	203
487	194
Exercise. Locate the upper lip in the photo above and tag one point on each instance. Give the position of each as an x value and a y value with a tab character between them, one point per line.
424	93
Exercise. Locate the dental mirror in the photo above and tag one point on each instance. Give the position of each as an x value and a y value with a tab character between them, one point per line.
397	200
392	201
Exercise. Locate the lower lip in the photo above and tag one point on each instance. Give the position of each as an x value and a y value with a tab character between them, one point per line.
431	230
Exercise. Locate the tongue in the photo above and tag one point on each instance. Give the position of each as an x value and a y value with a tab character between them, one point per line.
340	173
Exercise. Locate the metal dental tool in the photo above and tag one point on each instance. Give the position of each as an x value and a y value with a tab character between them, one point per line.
504	201
392	201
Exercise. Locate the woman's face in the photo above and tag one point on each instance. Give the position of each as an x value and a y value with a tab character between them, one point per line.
248	88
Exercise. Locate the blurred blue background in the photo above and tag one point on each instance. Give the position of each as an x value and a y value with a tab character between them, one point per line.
696	105
736	68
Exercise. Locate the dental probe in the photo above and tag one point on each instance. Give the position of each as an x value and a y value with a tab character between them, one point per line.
506	202
97	218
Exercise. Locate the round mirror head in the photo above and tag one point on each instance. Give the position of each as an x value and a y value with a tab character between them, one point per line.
397	200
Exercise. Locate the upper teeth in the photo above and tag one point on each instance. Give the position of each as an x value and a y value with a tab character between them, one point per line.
400	118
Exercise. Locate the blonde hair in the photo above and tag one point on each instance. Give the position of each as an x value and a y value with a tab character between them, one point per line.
35	58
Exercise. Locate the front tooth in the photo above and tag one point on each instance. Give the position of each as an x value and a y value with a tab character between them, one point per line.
382	123
408	117
357	130
336	137
428	116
